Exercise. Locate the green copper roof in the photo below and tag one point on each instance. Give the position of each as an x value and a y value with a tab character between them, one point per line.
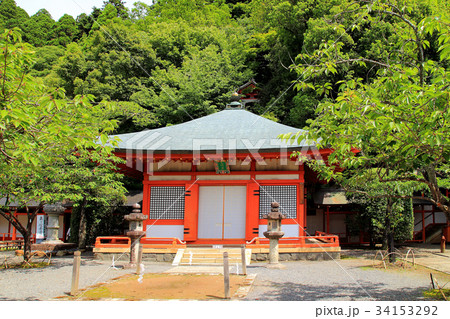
229	130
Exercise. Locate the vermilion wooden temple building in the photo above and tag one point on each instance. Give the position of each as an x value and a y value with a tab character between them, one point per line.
209	181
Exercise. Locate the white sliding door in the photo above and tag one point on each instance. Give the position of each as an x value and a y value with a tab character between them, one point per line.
221	212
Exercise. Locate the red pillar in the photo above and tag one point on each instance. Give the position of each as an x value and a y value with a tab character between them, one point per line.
146	200
252	215
301	202
191	212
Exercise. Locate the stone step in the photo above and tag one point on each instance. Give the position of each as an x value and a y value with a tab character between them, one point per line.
209	256
210	250
208	261
230	255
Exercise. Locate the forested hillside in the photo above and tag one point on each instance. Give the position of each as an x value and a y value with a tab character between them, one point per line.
178	60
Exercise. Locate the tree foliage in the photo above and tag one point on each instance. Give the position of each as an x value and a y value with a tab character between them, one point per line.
375	217
48	144
176	66
395	122
11	15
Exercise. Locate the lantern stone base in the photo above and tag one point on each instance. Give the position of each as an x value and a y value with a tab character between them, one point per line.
129	266
276	266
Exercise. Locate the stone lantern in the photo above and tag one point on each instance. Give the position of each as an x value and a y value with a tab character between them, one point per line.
274	233
53	211
136	231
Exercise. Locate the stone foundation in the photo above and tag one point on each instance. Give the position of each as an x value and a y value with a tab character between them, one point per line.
168	257
163	257
299	256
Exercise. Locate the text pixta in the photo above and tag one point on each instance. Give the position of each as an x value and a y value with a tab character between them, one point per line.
337	311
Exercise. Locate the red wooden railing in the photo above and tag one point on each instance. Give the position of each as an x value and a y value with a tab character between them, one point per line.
8	243
9	236
112	242
153	242
147	242
320	239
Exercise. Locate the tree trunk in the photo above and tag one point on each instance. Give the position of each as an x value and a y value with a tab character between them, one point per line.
26	232
26	247
83	225
371	239
389	231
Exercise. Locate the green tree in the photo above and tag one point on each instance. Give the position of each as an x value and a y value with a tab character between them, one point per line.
39	30
71	67
280	30
45	58
85	22
66	30
284	33
109	13
140	11
47	143
176	70
119	5
194	12
385	218
94	179
395	123
11	15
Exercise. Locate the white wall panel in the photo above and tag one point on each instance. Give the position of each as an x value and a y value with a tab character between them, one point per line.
165	231
289	230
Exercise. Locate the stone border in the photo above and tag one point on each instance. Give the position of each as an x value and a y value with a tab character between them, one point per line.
255	257
243	291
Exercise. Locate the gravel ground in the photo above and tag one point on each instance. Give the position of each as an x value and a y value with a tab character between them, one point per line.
55	280
301	280
343	280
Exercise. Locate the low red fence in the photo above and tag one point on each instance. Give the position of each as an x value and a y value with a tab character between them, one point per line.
169	242
112	242
9	236
147	242
320	239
